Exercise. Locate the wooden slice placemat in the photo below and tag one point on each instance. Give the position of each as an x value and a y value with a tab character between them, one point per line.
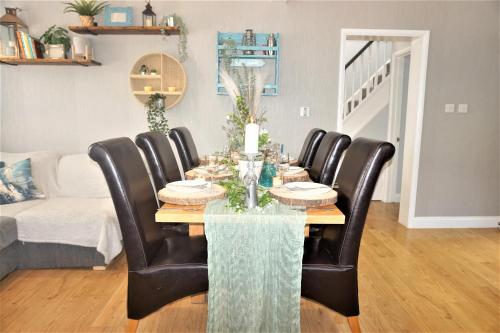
193	174
302	198
301	176
196	198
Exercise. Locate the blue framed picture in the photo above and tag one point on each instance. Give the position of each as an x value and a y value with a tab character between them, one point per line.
118	16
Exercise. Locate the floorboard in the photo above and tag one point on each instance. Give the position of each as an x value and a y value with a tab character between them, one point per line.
434	280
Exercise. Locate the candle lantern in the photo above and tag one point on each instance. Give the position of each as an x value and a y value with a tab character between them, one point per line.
148	16
9	25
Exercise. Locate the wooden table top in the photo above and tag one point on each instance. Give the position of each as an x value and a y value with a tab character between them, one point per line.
169	213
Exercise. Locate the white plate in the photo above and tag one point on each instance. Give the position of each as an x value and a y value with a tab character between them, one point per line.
188	186
292	170
308	187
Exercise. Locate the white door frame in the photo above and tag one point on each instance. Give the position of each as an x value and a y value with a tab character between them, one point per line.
420	44
394	124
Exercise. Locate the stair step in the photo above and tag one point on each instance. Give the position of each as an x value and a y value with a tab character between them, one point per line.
388	69
363	93
379	78
356	103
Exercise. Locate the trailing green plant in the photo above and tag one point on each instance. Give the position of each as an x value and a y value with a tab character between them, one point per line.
85	7
183	31
156	113
56	35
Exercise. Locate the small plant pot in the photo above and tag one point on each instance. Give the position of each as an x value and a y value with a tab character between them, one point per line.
55	51
87	21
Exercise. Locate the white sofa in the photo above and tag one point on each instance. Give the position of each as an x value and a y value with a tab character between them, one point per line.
75	225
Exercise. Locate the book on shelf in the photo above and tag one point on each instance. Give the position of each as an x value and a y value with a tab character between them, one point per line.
29	47
22	53
38	48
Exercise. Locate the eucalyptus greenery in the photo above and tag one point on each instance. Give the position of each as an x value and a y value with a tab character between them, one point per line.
236	193
156	113
56	35
85	7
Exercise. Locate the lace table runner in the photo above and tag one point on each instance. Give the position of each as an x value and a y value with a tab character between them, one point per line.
254	268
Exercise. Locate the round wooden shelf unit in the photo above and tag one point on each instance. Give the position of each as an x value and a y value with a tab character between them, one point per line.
170	73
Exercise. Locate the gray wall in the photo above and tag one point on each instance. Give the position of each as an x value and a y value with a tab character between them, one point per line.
67	108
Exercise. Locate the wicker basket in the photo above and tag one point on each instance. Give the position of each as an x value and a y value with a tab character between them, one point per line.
87	21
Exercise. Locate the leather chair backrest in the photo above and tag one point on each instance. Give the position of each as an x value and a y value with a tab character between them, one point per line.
160	158
328	156
185	147
356	179
133	197
309	148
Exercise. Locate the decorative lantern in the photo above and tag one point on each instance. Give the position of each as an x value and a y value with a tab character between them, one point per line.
148	16
9	25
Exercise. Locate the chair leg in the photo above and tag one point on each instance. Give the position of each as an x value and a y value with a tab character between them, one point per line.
132	325
354	324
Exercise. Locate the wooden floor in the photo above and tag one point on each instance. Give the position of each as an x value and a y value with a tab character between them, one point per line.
410	281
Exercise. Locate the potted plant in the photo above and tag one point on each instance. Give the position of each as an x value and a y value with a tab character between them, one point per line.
87	9
56	42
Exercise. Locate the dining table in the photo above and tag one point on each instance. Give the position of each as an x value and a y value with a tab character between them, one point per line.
245	294
194	216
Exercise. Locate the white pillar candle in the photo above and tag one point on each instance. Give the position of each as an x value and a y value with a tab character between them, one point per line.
251	139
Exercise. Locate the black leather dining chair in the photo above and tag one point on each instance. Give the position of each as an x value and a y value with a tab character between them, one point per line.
160	269
330	262
163	167
328	156
309	148
185	147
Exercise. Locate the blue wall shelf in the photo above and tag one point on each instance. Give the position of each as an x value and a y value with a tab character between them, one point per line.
263	56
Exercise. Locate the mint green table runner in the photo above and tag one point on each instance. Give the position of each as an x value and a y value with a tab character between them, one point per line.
254	268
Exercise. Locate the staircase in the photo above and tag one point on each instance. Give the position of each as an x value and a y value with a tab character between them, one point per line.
365	74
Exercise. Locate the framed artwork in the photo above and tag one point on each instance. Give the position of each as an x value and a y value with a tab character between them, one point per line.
118	16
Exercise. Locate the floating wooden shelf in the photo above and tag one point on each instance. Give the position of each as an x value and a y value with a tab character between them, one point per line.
127	30
68	62
175	93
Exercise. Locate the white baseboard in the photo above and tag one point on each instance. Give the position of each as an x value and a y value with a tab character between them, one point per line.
429	222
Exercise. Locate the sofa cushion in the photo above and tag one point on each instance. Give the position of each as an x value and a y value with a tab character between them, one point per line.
16	183
8	231
13	209
78	176
90	222
43	168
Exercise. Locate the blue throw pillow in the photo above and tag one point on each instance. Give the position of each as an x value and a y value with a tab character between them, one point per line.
2	164
16	183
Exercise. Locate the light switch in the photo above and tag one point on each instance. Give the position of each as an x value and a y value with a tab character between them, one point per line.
463	108
305	111
449	108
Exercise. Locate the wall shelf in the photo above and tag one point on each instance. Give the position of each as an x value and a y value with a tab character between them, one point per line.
68	62
124	30
170	74
264	56
145	77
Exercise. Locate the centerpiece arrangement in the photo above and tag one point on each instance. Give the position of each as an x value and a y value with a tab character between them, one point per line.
243	129
244	86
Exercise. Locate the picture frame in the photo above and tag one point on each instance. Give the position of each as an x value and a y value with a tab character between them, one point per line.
118	16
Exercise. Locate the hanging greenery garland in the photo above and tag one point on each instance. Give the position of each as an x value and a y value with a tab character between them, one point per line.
156	113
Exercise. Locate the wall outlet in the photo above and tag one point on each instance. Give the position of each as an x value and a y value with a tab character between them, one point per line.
305	111
463	108
449	108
